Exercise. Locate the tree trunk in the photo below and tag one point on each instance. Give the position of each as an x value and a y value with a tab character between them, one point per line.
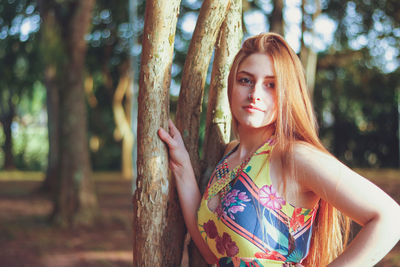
158	227
52	99
212	14
338	125
133	7
128	141
276	23
7	147
122	120
309	60
49	44
308	56
75	201
218	122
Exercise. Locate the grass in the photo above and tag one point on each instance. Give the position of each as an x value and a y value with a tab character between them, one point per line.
17	176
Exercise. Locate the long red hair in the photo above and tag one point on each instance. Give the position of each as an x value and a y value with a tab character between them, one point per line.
296	122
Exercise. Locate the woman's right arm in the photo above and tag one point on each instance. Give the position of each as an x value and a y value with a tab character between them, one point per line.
188	190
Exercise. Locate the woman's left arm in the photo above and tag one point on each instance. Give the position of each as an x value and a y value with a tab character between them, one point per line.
356	197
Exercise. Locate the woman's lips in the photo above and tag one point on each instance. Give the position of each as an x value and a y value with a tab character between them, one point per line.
252	108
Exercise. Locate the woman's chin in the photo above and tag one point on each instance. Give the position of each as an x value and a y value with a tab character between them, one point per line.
254	125
256	122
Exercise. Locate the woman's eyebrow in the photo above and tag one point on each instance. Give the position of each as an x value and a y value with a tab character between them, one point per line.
250	74
245	72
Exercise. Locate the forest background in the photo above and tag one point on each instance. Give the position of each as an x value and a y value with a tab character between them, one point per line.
69	80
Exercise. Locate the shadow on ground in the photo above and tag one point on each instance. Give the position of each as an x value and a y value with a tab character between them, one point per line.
26	239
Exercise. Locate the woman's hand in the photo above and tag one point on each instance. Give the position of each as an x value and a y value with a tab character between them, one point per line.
188	191
178	156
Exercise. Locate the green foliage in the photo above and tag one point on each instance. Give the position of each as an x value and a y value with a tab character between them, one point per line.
108	48
30	147
358	114
354	98
20	68
374	25
30	143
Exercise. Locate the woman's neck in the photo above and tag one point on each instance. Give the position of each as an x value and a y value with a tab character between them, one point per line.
251	139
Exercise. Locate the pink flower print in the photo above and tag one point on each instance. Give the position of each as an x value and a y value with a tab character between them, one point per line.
234	202
269	198
210	229
230	197
234	192
219	244
229	245
226	244
243	197
229	200
235	209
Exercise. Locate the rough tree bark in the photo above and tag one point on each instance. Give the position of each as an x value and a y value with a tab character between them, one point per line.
158	227
218	122
212	14
276	23
75	201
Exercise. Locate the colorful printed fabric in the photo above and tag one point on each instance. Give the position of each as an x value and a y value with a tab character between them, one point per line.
252	225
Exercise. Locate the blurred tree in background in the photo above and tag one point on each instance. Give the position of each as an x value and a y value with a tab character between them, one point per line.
21	95
357	83
107	64
64	26
356	93
67	79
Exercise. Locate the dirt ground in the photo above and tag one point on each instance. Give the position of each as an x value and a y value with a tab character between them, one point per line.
26	239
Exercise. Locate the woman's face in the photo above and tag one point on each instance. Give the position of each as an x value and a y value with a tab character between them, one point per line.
253	101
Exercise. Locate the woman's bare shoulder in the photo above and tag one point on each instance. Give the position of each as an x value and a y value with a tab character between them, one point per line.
303	152
311	164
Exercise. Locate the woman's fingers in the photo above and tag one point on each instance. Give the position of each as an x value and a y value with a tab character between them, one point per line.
178	155
172	129
166	137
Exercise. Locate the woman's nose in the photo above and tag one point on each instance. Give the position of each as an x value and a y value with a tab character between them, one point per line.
254	94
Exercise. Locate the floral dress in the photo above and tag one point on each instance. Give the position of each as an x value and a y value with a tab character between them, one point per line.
252	225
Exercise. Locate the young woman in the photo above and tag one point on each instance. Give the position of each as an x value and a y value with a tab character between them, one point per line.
274	198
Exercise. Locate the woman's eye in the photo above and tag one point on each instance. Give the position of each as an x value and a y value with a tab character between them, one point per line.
270	85
246	81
